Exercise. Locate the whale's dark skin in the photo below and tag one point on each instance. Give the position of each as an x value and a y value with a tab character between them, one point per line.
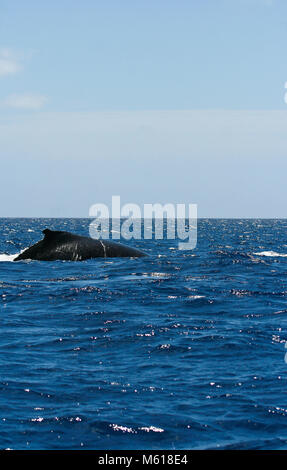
58	245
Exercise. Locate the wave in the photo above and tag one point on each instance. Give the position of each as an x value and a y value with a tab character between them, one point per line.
4	257
271	254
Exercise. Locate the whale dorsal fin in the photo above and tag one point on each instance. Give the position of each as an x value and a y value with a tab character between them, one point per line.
55	234
48	233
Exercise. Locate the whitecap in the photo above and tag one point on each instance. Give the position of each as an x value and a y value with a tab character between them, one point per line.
196	297
271	254
6	257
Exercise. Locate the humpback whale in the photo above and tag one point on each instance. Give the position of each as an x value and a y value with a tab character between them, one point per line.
58	245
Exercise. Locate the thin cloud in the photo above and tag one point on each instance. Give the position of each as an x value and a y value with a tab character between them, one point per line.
25	101
9	64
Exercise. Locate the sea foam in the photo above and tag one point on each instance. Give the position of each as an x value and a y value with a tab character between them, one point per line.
271	254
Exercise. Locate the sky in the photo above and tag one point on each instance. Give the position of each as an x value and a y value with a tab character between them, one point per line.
157	101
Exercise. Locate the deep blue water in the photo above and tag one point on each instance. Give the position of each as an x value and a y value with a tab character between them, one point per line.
178	350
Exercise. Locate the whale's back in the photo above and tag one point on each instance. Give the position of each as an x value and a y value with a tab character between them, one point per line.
58	245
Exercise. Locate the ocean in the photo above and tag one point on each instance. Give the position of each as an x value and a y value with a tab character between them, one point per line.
176	350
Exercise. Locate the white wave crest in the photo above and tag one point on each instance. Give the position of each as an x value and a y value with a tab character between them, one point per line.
5	257
271	254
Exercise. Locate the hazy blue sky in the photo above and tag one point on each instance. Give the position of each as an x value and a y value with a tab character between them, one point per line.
155	101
